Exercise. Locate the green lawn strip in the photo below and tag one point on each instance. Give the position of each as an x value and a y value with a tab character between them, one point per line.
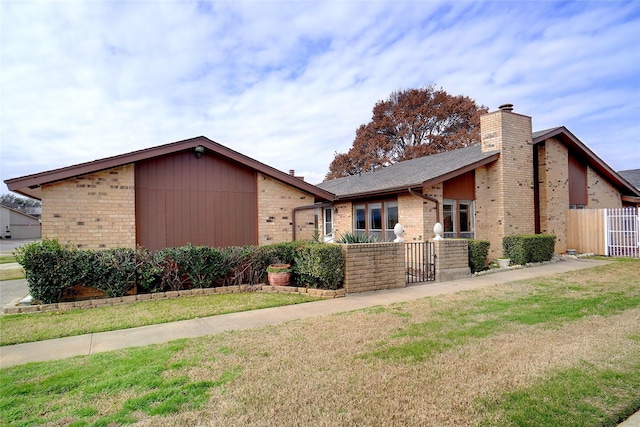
5	259
104	389
12	274
23	328
555	301
579	396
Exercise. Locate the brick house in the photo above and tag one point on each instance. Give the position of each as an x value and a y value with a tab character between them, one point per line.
514	182
194	190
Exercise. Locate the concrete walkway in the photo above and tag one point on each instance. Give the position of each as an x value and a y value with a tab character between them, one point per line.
155	334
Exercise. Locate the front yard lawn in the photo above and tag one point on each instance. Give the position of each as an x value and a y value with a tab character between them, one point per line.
563	350
21	328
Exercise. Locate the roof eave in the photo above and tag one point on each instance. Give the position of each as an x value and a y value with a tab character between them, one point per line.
419	185
29	185
460	171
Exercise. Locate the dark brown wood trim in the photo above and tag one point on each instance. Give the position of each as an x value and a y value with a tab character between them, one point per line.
28	184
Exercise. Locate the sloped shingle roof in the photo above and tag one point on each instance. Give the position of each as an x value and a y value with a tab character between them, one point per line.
410	173
631	175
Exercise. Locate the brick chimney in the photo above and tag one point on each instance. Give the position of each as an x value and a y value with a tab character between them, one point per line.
504	189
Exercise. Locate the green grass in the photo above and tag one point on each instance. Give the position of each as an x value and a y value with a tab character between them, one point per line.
580	396
5	259
326	371
21	328
551	306
105	389
11	274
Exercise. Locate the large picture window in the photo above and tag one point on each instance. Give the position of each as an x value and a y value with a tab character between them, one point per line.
458	218
376	219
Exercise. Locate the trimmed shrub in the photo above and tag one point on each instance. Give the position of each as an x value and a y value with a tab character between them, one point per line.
478	254
522	249
319	265
203	265
112	270
51	268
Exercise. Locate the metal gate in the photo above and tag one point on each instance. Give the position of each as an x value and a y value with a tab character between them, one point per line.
420	262
622	232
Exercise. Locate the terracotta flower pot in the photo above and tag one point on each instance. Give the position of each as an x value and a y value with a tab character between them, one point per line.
279	274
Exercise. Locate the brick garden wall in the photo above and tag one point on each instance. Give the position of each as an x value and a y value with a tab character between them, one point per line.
276	201
373	266
93	211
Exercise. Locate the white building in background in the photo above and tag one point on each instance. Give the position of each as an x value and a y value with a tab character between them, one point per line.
17	225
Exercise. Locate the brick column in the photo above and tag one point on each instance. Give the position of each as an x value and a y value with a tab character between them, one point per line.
451	259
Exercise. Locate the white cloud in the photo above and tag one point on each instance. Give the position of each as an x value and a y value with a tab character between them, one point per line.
288	83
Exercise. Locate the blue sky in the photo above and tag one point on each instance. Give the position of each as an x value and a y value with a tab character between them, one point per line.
288	83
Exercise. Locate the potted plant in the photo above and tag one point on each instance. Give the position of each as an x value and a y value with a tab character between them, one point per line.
279	274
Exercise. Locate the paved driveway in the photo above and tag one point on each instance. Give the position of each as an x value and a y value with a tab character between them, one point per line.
11	290
8	245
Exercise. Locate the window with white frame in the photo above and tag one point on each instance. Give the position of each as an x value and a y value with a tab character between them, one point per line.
328	224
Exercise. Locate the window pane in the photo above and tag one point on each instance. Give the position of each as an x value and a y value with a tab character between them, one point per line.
448	220
465	224
375	217
391	214
359	218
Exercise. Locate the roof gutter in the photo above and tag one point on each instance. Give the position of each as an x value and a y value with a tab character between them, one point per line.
303	208
424	196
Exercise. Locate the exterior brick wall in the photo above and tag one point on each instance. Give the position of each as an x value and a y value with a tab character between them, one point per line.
373	266
553	162
504	189
451	259
417	215
93	211
600	193
276	202
342	218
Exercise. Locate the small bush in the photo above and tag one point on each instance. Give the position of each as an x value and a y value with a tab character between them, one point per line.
526	248
351	238
51	268
203	265
319	266
113	271
478	254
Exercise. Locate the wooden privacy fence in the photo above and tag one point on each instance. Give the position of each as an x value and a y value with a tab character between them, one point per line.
611	232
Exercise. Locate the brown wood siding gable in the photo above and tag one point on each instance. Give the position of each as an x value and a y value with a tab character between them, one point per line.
577	181
183	199
461	187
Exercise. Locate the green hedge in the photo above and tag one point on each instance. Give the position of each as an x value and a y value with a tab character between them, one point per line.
319	266
53	269
526	248
478	254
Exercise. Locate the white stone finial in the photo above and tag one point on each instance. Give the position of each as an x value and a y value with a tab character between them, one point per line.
398	230
438	230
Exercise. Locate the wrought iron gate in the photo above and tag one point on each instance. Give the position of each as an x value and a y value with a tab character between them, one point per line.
420	262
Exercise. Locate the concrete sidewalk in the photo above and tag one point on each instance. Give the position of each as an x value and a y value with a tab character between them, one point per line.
156	334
